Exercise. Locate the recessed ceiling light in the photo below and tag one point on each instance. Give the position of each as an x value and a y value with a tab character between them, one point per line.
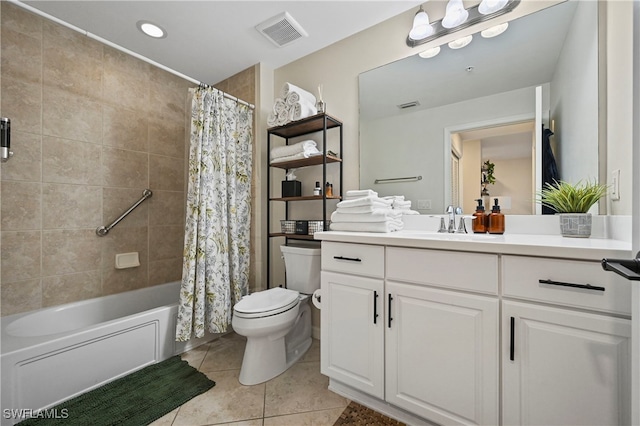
151	29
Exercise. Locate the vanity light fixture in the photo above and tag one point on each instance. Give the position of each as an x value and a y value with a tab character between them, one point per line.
461	42
456	14
421	26
429	53
457	18
495	30
487	7
151	29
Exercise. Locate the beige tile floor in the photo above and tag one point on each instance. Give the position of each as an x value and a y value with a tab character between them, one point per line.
297	397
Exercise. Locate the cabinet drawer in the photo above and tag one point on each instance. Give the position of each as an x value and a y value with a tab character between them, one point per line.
466	271
521	277
358	259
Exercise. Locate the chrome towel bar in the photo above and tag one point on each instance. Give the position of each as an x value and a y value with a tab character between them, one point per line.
400	179
104	230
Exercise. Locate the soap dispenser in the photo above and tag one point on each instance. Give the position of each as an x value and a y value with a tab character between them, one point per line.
496	219
479	226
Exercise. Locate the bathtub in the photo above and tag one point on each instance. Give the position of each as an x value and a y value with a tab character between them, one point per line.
53	354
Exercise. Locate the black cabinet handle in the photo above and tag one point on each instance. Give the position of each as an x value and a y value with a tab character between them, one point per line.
512	343
351	259
628	268
560	283
375	306
390	319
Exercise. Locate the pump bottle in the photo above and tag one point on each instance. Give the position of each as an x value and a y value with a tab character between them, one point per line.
479	225
496	219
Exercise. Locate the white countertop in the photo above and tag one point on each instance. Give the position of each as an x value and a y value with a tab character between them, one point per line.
556	246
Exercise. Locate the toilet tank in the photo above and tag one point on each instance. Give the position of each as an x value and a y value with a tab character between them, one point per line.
302	266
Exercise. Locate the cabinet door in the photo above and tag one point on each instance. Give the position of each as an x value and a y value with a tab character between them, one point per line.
442	354
352	348
563	367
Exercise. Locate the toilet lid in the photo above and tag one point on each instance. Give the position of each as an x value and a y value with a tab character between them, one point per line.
266	301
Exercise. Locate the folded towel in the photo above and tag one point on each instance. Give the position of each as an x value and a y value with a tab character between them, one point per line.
297	156
364	209
359	193
289	88
401	204
394	197
283	117
301	109
388	226
296	148
378	216
407	211
365	201
272	119
279	105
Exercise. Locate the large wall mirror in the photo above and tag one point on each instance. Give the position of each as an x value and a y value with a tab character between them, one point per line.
478	104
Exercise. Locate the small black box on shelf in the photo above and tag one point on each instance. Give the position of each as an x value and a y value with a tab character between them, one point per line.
302	227
291	188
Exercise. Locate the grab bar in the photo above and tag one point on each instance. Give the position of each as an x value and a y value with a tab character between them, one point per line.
104	230
400	179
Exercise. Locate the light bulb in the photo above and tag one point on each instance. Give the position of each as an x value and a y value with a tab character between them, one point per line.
429	53
421	26
487	7
456	14
461	42
495	30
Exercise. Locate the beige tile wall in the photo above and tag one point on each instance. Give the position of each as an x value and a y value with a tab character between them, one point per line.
91	128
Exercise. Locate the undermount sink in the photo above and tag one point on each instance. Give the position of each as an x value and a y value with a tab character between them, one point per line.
448	236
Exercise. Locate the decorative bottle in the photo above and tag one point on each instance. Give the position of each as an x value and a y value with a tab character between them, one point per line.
317	190
496	219
479	226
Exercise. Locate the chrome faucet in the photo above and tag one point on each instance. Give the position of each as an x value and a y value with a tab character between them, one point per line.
452	219
453	211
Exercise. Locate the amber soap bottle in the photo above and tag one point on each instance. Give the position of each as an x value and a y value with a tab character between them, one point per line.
478	224
496	219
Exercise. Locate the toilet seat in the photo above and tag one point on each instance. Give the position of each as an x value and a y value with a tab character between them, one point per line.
266	303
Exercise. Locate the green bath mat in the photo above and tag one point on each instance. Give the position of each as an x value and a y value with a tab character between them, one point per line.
136	399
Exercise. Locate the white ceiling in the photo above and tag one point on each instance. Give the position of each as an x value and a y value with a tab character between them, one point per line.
210	41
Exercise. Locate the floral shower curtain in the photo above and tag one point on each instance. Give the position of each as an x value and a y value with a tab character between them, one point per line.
215	268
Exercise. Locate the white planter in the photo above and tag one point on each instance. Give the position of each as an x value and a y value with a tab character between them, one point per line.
576	225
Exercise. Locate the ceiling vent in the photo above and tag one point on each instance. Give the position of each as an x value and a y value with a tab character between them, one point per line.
409	105
281	30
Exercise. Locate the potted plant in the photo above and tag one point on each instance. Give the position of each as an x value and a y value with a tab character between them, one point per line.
572	203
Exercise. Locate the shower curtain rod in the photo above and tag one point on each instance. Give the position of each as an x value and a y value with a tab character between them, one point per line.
120	48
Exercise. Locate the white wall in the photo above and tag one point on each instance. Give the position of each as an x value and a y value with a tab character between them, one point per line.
619	101
574	94
392	154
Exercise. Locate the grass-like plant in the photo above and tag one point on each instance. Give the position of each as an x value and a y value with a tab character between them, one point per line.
564	197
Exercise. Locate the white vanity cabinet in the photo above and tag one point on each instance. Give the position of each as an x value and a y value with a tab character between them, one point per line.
441	346
429	334
352	332
563	363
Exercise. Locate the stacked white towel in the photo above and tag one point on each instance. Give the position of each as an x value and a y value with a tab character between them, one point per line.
399	204
293	104
304	149
364	211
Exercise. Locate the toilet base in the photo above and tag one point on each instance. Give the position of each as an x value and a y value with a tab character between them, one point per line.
268	357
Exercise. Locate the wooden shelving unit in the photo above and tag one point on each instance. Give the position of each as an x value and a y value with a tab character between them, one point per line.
316	123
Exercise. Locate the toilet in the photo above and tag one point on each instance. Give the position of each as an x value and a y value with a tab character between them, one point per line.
277	321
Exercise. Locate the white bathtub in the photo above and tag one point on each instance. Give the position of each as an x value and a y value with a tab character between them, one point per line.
53	354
